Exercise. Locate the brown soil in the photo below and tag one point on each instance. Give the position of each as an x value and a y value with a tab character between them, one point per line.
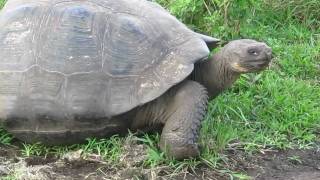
282	165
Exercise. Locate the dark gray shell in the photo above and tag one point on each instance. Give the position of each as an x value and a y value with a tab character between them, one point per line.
66	58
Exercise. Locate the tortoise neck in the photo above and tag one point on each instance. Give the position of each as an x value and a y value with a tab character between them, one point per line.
214	74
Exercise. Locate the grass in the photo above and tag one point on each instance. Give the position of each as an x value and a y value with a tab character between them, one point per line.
109	149
2	2
278	108
5	138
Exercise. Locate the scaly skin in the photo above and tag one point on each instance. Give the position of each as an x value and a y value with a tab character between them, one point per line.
216	67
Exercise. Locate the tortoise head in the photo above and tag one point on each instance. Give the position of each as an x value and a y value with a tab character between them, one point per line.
246	55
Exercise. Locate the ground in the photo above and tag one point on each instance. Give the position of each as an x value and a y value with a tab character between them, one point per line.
269	165
265	127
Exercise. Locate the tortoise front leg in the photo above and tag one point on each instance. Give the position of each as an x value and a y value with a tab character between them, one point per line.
180	110
185	111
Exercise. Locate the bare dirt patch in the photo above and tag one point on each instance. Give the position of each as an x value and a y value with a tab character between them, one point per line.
281	165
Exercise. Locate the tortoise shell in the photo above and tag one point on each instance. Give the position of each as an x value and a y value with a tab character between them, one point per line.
66	59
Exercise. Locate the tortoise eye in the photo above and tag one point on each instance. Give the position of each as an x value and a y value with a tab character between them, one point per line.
253	52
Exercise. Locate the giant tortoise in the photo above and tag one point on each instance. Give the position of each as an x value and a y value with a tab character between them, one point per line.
73	69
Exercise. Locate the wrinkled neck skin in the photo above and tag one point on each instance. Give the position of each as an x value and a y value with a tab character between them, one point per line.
215	74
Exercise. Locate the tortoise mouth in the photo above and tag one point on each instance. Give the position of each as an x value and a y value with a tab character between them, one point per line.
251	66
238	68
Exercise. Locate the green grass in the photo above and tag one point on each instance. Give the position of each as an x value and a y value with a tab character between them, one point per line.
5	138
109	149
279	108
2	2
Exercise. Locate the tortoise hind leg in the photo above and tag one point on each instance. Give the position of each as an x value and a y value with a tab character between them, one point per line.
186	110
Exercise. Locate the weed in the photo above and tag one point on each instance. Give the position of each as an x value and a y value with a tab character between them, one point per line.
5	138
295	159
109	149
35	149
9	177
